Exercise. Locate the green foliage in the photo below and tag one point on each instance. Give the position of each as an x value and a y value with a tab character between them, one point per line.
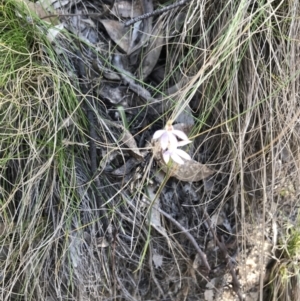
40	119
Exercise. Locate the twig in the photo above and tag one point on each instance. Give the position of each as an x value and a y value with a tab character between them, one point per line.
88	14
73	15
113	263
189	236
153	272
129	79
92	139
156	12
221	245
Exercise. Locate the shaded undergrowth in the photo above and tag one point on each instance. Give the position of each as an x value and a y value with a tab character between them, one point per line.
73	230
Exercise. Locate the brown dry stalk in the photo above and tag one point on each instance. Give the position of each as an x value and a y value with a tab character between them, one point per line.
156	12
235	282
189	236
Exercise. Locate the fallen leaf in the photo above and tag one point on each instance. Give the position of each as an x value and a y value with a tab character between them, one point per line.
186	116
126	9
57	4
53	32
190	171
41	11
80	25
102	242
147	7
171	96
128	39
74	249
184	127
152	51
157	260
126	168
197	262
155	216
209	295
114	94
130	142
136	37
118	33
129	79
141	30
106	72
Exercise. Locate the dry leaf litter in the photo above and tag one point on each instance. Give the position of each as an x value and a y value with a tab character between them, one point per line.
120	67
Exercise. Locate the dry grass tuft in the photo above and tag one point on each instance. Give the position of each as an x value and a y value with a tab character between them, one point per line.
74	226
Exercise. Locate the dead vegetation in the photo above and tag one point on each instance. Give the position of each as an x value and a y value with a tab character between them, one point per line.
88	209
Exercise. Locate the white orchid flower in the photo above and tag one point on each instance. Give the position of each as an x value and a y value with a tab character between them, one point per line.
169	144
176	154
168	137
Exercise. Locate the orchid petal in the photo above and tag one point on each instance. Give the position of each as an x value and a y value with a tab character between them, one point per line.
182	143
172	141
176	158
183	154
164	141
180	134
166	156
158	134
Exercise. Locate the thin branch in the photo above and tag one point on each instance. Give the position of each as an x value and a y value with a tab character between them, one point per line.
92	139
129	79
189	237
156	12
235	282
153	272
